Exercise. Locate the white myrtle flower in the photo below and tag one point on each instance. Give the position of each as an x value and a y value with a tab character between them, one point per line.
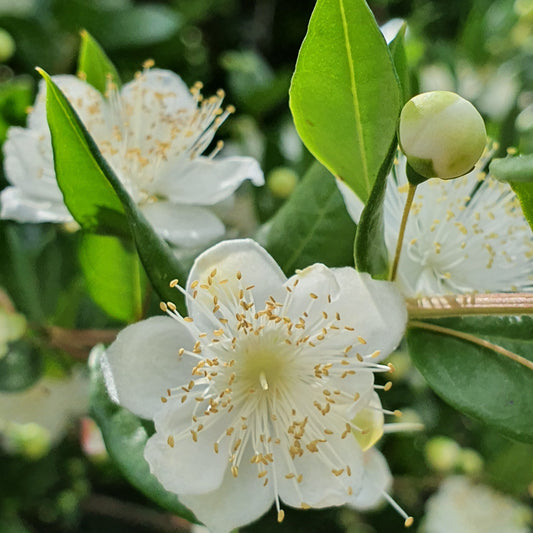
50	404
266	391
462	236
463	507
153	133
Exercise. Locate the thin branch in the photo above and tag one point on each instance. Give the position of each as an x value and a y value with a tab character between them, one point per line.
473	339
79	342
134	514
471	304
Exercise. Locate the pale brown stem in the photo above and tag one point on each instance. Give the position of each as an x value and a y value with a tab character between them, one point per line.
471	304
79	342
403	224
473	339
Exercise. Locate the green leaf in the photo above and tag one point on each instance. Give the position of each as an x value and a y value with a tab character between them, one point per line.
399	57
515	169
87	193
93	64
518	171
21	367
370	251
476	380
114	276
345	96
99	179
125	437
313	225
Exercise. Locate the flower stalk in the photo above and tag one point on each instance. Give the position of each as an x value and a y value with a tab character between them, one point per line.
403	224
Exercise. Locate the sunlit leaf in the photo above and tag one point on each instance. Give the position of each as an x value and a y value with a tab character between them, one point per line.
345	96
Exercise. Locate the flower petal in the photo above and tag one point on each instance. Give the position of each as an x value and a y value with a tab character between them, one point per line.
353	204
143	362
185	465
29	166
237	502
204	181
319	486
16	205
155	88
375	309
376	480
184	225
228	258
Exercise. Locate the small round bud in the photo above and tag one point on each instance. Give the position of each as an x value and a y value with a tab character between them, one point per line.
470	461
281	181
7	45
442	453
441	134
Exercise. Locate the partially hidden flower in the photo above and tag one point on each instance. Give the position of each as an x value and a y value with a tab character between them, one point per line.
36	418
462	236
153	133
464	507
265	392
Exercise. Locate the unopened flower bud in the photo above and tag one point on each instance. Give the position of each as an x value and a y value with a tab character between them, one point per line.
281	181
470	461
442	454
441	134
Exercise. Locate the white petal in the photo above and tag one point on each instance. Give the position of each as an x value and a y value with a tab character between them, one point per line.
255	264
187	466
143	362
155	88
237	502
184	225
353	204
29	166
376	480
375	309
16	205
319	487
204	181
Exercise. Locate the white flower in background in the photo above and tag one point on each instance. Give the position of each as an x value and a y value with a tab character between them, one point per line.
266	391
153	133
460	506
465	235
43	411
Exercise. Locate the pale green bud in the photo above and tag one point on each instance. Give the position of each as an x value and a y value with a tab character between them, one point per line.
7	45
470	461
12	327
281	181
442	453
441	134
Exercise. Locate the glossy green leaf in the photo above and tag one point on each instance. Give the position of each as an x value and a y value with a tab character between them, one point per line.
313	225
125	437
399	57
21	367
345	96
93	64
157	258
114	275
476	380
370	251
87	193
518	171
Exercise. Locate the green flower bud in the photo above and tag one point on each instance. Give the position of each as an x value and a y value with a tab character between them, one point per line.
470	461
281	181
441	134
442	453
7	45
